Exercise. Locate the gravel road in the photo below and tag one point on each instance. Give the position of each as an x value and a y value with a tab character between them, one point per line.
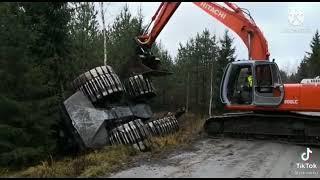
229	157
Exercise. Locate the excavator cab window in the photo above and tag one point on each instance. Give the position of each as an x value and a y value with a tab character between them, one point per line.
263	79
268	87
239	90
264	87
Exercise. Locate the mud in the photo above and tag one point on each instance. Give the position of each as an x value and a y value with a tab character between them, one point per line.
229	157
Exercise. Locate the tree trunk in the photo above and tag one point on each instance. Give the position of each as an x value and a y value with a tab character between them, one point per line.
211	90
104	36
187	101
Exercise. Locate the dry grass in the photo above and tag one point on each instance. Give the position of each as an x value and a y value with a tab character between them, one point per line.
190	127
111	158
4	172
93	164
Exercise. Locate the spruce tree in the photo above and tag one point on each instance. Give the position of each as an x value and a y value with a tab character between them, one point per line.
226	54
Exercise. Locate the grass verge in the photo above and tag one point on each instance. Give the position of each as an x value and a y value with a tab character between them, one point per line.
92	164
190	128
110	158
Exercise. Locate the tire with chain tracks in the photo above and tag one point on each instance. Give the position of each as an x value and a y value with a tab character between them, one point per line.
100	84
137	133
132	133
163	126
139	86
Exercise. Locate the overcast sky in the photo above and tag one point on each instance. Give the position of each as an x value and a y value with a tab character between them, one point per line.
287	26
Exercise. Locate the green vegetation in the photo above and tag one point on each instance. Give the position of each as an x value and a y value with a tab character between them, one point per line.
46	45
310	64
191	127
104	161
98	162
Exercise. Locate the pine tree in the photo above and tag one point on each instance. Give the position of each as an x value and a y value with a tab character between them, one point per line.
309	66
164	85
34	71
86	51
303	71
284	76
120	43
314	56
194	60
226	54
14	37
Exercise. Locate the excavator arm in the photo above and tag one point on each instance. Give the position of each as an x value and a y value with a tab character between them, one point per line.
117	111
272	108
235	18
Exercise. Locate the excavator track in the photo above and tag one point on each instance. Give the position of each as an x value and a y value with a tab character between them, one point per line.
107	110
291	127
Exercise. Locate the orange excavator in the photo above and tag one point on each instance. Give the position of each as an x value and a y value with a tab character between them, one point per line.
270	107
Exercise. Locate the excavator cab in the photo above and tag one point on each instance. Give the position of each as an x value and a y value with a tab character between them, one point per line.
265	88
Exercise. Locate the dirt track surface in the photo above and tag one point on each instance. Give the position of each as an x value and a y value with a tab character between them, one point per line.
228	157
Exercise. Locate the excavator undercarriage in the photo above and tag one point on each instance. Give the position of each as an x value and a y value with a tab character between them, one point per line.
299	128
105	111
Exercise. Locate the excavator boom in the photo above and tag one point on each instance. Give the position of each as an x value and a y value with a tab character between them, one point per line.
235	19
271	103
112	109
